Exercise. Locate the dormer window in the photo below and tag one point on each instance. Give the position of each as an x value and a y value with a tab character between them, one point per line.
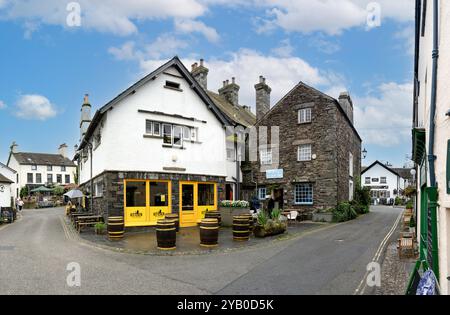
173	85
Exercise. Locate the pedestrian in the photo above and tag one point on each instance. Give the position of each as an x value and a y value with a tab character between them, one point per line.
20	204
270	205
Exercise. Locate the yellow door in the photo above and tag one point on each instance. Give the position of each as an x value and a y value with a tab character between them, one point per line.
135	203
188	204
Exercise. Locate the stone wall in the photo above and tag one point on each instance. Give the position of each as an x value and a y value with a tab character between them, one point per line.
328	145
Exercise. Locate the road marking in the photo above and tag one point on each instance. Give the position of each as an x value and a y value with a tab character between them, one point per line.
363	284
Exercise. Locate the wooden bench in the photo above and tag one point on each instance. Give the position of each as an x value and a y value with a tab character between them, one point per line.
84	221
406	244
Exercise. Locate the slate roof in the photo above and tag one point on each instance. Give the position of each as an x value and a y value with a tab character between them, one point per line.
25	158
404	173
239	114
3	179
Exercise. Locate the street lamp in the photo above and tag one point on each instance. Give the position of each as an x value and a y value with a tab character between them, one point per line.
364	152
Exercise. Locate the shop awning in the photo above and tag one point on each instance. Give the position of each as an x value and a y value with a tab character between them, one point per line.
419	142
42	189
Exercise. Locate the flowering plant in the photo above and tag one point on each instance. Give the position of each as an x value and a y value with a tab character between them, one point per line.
234	204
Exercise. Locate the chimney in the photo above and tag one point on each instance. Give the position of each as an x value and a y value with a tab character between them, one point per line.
85	116
262	98
230	91
346	104
14	147
200	74
62	150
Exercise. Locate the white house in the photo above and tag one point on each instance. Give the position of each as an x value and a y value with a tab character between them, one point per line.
386	183
431	134
159	147
7	176
40	169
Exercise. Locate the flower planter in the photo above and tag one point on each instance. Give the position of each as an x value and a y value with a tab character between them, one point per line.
227	214
322	217
261	232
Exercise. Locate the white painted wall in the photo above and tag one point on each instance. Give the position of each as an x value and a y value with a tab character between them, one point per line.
5	195
442	122
393	181
124	148
23	170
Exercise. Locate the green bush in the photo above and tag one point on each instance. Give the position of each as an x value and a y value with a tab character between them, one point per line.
262	218
360	208
275	215
412	222
398	201
344	212
409	204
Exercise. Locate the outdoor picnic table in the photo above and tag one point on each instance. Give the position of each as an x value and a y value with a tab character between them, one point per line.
89	220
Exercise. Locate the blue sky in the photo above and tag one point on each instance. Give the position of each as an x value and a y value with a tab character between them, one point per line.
46	65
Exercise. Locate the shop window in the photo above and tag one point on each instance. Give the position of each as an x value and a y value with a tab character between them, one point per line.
135	194
206	195
159	194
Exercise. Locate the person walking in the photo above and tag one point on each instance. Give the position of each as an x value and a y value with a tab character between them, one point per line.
20	203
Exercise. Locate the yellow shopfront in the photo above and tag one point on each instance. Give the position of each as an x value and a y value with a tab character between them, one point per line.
196	198
146	201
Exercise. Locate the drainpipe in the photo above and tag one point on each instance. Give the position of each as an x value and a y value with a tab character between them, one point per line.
435	55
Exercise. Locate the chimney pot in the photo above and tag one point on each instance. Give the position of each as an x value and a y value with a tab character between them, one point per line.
262	98
233	79
200	74
201	62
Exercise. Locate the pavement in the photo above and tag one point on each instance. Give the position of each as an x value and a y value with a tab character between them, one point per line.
35	253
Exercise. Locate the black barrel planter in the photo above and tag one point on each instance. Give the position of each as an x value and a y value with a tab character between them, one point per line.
116	227
241	228
174	217
209	233
166	234
214	215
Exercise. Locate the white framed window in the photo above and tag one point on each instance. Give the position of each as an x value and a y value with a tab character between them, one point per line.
303	194
266	156
194	134
98	189
63	168
156	129
177	136
367	180
167	134
383	180
304	115
148	127
262	192
304	152
350	164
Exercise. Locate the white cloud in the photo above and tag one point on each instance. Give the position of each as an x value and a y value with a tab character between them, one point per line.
406	35
384	118
324	46
35	107
2	105
112	16
282	73
284	50
191	26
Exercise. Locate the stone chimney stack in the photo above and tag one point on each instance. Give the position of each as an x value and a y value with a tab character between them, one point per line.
200	74
62	150
230	91
14	147
262	98
85	116
346	104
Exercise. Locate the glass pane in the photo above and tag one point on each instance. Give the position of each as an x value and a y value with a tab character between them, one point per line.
159	194
186	133
205	194
135	194
167	134
187	196
177	135
156	130
148	126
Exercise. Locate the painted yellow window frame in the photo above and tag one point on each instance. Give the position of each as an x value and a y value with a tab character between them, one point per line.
192	218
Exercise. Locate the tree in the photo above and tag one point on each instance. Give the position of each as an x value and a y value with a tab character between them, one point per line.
24	192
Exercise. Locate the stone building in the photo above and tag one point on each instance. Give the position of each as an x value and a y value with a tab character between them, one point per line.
308	150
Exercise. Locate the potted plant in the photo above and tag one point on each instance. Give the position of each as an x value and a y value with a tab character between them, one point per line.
100	228
270	225
229	208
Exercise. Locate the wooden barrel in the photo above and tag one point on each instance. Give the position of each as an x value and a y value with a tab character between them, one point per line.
214	215
166	234
116	227
209	232
174	217
250	221
241	228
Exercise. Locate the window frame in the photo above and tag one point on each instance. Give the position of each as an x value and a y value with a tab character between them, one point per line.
304	115
148	123
28	178
34	167
65	178
367	180
38	175
154	124
180	128
296	192
301	154
164	134
264	156
383	180
51	178
260	189
49	168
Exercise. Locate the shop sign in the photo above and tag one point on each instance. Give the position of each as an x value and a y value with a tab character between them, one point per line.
274	174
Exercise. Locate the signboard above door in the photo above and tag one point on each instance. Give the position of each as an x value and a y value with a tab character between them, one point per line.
273	174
